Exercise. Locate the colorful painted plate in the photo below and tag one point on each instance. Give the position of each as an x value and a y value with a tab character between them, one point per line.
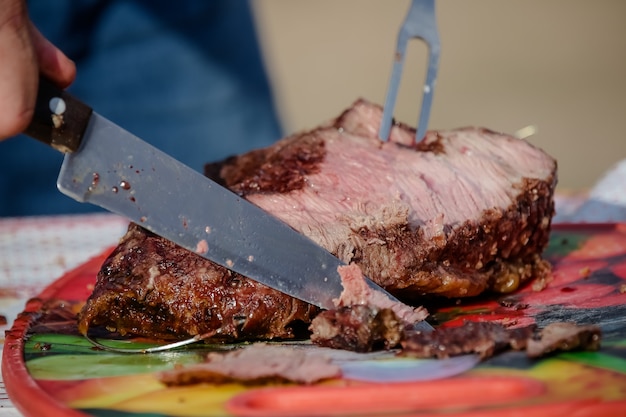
49	370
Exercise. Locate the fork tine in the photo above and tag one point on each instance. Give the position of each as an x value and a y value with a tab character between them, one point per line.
420	22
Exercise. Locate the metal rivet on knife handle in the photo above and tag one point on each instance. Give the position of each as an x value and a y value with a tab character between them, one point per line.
60	120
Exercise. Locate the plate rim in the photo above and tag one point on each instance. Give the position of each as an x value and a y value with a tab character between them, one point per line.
21	386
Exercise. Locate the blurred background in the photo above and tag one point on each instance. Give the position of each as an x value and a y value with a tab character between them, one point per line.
559	65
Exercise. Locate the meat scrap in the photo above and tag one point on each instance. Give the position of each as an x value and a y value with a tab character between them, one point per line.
356	291
358	328
488	338
256	364
564	336
484	338
365	319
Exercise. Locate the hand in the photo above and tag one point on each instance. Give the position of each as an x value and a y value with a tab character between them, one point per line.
25	53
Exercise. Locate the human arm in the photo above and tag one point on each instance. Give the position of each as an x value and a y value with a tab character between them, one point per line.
26	54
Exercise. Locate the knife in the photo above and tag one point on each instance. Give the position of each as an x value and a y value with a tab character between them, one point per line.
110	167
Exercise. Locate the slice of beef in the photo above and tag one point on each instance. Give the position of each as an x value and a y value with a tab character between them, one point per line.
462	212
489	338
483	338
256	364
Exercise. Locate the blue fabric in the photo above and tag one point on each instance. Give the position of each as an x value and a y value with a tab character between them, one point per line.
186	76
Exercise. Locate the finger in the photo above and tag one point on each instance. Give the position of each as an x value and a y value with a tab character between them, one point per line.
18	70
53	63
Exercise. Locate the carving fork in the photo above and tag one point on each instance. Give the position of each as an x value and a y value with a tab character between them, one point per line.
420	22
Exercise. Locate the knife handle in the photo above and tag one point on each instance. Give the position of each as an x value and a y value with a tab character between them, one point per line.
59	120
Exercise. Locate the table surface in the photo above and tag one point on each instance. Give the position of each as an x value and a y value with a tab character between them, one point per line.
34	251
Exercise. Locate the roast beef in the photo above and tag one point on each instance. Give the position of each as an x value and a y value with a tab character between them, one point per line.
149	286
459	213
455	214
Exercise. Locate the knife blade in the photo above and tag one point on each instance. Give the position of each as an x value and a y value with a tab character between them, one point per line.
110	167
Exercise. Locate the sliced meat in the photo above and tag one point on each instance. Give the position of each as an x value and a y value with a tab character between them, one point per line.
489	338
483	338
256	364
